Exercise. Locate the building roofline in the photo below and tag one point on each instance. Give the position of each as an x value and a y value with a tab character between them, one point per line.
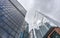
18	6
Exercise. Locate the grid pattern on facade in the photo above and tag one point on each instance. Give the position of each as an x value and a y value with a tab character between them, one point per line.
10	20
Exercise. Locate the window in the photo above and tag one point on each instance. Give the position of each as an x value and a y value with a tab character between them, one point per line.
55	35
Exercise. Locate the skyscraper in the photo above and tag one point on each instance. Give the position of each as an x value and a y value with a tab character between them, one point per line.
12	16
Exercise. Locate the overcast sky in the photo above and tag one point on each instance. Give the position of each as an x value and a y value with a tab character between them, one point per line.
50	8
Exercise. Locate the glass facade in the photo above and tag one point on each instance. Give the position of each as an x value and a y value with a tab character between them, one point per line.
55	35
11	19
25	31
43	29
43	24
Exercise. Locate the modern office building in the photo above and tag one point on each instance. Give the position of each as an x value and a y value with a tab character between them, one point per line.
25	30
47	29
12	16
43	29
54	32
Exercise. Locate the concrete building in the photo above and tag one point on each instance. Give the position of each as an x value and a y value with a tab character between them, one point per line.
11	18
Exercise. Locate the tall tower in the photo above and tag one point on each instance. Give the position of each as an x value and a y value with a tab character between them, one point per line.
12	16
49	28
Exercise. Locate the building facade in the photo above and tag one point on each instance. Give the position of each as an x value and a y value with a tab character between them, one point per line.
48	28
12	16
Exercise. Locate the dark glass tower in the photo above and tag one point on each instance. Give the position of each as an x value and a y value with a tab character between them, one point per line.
11	18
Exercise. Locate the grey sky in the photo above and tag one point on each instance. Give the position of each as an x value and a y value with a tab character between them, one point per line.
50	8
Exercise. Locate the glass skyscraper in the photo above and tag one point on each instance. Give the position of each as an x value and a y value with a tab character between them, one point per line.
43	25
12	16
